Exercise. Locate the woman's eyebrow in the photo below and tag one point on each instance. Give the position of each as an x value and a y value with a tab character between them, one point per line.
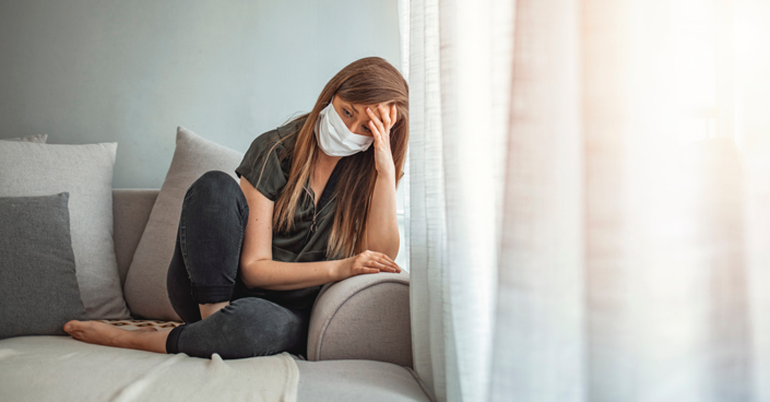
353	107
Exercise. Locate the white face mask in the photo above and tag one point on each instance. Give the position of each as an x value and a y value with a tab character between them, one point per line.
334	137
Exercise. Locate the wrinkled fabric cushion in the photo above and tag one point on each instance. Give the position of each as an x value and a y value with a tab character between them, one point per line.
145	287
64	369
39	138
38	287
58	368
85	172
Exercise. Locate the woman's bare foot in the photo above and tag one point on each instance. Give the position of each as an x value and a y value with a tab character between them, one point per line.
100	333
97	332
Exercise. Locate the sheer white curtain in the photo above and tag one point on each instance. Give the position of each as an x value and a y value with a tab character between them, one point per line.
457	112
571	238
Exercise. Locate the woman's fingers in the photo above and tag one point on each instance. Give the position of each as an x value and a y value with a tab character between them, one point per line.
387	258
375	131
385	267
373	261
364	266
385	116
376	120
388	262
373	127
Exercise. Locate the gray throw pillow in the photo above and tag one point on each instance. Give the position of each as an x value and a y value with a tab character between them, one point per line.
145	287
85	172
38	287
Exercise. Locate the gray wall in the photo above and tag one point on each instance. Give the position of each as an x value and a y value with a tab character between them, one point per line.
132	71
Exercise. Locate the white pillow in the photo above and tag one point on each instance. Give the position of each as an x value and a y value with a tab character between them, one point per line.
85	171
145	287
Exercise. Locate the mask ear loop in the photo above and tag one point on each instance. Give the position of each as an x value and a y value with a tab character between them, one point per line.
321	112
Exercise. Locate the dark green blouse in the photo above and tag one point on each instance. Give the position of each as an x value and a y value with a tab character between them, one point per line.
266	166
306	242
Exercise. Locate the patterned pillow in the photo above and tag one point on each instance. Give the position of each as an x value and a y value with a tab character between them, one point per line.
133	325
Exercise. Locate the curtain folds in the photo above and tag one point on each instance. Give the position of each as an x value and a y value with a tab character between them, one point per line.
538	354
458	58
570	239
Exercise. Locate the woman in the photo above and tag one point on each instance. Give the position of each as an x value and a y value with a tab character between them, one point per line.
316	203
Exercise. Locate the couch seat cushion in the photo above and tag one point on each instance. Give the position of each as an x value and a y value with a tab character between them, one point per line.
59	368
357	380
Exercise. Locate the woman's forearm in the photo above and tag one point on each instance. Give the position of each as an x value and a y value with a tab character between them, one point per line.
382	223
381	234
278	275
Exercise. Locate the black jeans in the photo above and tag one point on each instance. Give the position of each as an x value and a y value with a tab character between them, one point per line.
205	269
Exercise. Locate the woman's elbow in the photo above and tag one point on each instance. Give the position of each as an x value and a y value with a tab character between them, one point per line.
392	251
250	274
390	248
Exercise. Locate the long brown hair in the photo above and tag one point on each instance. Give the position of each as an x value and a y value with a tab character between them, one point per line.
367	81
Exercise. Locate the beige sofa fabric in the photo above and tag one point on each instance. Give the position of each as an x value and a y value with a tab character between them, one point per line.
379	308
130	211
58	368
363	317
100	372
358	380
63	369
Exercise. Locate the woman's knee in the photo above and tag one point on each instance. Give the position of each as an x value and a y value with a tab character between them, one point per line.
214	182
247	327
264	328
214	187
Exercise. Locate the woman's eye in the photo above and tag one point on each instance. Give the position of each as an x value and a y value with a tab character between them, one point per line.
347	113
366	129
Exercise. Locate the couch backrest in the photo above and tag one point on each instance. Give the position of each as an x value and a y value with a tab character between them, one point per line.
131	209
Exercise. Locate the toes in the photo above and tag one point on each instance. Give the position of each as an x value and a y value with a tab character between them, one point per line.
73	325
69	326
77	334
77	329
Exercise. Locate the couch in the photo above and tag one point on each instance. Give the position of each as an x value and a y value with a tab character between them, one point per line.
359	344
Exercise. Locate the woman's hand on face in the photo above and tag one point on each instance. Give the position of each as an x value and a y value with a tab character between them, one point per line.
380	125
368	262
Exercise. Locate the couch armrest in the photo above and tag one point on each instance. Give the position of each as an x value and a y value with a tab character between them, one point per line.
363	317
130	211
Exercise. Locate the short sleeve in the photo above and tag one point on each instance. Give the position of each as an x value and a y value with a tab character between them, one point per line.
262	166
